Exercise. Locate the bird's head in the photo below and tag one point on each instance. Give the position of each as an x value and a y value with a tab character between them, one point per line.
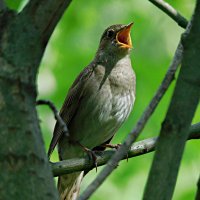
116	39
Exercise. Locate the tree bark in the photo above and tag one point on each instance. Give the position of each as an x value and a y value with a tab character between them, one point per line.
174	132
137	149
25	171
198	190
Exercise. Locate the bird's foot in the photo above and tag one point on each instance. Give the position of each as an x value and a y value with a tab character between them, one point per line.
114	146
91	155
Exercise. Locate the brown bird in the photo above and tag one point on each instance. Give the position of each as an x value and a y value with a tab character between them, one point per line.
97	104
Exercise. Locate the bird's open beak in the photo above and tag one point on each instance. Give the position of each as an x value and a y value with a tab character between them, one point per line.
123	37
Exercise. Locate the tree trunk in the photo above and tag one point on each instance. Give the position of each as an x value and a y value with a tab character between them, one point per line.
25	170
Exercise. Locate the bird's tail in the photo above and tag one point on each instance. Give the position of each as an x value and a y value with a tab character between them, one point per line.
69	185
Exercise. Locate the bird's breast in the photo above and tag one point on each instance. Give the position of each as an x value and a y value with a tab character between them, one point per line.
106	104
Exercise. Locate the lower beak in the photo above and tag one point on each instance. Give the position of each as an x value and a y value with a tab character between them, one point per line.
123	37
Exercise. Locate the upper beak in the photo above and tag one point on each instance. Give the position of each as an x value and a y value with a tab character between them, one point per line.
123	37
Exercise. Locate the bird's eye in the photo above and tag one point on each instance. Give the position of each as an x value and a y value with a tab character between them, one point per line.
110	33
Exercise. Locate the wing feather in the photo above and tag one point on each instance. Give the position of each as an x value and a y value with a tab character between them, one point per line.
70	106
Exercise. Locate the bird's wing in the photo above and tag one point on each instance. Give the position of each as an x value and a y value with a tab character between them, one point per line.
70	105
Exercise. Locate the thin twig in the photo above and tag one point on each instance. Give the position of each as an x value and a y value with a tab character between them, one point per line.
56	115
113	162
171	12
137	149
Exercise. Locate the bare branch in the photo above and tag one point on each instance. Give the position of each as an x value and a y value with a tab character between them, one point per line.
174	131
170	11
194	131
137	149
56	115
198	190
45	15
113	162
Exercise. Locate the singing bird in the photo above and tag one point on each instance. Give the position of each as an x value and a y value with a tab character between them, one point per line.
97	104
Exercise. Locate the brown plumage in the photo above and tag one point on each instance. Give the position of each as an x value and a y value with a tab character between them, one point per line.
97	104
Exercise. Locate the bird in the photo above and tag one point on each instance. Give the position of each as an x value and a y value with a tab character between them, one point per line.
97	104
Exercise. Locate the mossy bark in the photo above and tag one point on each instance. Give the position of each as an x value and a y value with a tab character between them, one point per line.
25	172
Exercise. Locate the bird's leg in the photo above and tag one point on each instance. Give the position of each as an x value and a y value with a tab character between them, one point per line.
114	146
90	153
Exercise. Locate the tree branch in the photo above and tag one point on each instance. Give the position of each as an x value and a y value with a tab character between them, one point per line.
174	131
56	115
113	162
198	190
137	149
45	15
171	12
194	131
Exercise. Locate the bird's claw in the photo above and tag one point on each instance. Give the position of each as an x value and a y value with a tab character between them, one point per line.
114	146
92	156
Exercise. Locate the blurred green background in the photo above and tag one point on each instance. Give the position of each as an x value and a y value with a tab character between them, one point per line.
155	37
